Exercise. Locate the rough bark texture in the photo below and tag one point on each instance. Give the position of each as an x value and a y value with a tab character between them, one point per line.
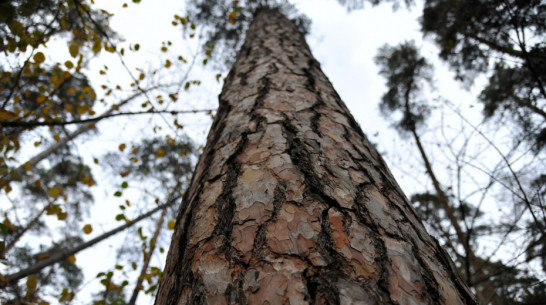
291	204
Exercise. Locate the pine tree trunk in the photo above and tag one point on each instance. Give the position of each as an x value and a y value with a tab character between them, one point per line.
291	204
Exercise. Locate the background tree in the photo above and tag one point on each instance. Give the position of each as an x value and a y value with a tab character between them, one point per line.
500	42
164	164
508	36
51	102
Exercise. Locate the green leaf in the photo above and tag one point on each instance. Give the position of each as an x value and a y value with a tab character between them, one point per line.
124	185
140	233
117	194
120	217
151	289
4	228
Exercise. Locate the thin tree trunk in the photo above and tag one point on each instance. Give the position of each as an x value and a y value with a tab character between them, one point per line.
147	258
62	255
25	229
291	204
488	294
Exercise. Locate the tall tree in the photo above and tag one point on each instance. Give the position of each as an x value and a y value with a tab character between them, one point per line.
291	203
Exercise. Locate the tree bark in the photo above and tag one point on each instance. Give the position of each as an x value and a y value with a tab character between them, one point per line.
291	204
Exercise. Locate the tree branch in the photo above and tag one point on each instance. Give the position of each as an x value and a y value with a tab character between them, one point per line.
95	119
62	255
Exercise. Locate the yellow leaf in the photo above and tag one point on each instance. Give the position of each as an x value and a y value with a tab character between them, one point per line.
41	257
160	153
28	166
233	15
71	259
56	137
6	115
171	225
32	280
62	215
66	296
53	192
97	46
41	99
81	110
167	63
53	210
39	57
121	147
87	229
164	49
7	188
110	286
108	48
68	64
141	76
74	49
54	79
